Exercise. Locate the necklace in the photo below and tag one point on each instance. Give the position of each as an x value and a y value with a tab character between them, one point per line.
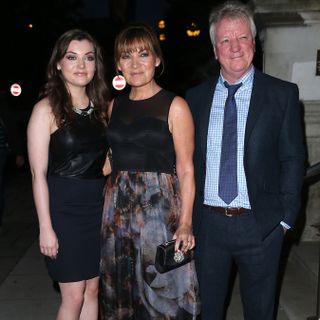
86	111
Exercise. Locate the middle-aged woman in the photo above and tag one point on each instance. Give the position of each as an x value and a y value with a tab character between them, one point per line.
150	134
67	148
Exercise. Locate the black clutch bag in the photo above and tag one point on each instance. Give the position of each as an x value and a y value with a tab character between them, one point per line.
168	259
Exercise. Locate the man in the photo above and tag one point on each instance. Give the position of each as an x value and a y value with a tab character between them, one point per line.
249	165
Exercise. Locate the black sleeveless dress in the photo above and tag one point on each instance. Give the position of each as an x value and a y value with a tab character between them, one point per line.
141	210
76	156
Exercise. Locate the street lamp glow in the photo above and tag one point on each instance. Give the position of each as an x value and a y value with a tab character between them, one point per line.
161	24
193	30
162	37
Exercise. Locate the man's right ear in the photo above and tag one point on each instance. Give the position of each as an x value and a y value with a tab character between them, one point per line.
215	55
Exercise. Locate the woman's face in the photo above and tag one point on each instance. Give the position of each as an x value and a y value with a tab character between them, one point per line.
138	66
78	64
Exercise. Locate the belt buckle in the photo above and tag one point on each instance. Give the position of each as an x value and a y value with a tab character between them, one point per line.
226	212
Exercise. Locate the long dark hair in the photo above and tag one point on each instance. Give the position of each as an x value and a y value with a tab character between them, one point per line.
55	88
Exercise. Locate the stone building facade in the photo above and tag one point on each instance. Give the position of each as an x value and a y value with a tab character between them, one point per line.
289	32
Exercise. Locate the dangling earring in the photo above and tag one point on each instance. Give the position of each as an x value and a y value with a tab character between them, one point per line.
119	82
159	70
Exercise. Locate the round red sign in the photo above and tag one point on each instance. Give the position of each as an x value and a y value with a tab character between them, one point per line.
119	82
15	89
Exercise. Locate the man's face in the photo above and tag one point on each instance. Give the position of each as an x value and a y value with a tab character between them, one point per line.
234	47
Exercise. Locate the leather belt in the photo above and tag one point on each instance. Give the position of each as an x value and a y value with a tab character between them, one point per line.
230	212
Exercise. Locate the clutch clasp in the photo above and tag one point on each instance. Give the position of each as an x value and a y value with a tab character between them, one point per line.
178	256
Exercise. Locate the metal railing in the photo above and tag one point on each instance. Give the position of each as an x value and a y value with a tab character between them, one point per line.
313	176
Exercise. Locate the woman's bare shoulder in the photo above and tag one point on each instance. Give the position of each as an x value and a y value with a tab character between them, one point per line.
42	107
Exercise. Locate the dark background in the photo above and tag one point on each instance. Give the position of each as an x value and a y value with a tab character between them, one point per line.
25	51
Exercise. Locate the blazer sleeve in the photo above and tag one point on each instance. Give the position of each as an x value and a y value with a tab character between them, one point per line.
292	157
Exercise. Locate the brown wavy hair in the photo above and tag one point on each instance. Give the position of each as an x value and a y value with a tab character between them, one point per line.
56	90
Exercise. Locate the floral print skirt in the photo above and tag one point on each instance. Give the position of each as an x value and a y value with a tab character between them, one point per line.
141	210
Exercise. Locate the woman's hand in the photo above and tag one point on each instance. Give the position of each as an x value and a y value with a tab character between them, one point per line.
48	243
184	238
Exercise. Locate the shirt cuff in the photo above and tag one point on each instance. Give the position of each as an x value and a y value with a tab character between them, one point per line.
285	225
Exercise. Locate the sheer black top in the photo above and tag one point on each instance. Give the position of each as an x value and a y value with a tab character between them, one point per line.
139	136
78	149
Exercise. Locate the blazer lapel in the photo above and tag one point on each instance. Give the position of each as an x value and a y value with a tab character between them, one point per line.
255	106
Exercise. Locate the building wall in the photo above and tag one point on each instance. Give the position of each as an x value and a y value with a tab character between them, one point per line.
290	54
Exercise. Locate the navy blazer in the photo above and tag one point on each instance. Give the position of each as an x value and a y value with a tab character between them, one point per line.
274	152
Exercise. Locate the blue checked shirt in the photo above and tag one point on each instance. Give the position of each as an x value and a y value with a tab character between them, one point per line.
215	130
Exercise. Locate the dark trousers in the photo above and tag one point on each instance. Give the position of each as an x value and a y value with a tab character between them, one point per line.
3	160
226	240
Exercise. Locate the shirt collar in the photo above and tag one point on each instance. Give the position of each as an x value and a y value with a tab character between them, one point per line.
246	79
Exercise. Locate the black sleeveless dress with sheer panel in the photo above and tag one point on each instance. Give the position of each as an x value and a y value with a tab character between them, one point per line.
76	155
141	210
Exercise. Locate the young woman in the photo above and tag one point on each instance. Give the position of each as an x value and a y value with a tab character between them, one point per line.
67	147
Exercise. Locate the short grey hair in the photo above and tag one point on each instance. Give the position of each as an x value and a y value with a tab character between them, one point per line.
233	10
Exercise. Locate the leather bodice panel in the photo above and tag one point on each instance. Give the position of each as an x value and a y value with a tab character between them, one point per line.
78	149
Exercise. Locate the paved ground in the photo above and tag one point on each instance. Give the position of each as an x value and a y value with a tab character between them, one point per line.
27	293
